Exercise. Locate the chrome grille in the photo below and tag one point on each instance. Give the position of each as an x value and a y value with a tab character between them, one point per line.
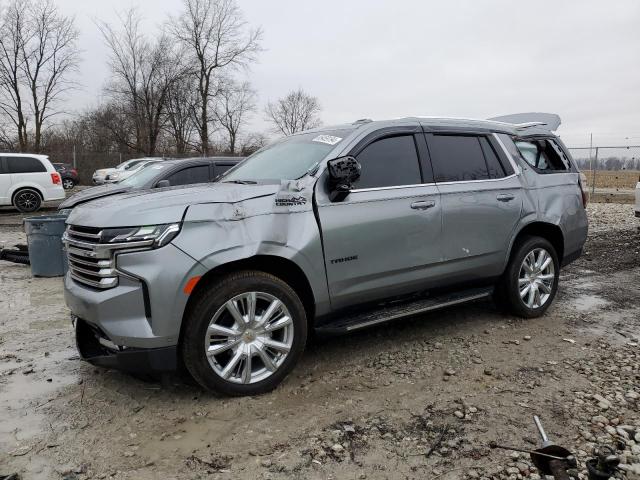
90	262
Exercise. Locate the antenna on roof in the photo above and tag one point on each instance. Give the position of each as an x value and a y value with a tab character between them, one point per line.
362	121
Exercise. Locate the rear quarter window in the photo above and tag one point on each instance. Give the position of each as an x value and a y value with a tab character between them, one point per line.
543	154
24	165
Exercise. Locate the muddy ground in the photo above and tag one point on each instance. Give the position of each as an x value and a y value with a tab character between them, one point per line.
418	398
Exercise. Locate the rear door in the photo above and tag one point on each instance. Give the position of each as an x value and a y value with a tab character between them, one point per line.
481	202
384	238
28	170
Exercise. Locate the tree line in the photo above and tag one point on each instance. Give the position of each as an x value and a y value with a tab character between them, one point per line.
179	90
610	163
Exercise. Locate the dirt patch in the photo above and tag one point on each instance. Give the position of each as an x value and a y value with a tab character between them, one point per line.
419	398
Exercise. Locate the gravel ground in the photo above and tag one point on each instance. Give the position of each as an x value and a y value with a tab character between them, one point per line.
419	398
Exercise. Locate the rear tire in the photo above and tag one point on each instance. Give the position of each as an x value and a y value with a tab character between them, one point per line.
244	334
530	282
68	183
27	200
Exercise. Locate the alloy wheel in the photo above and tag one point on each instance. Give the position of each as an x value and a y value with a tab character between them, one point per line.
27	201
536	278
68	184
249	337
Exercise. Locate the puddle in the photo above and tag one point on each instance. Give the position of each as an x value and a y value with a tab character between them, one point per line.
23	396
583	303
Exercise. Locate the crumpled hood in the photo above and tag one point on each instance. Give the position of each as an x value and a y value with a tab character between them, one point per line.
92	193
161	205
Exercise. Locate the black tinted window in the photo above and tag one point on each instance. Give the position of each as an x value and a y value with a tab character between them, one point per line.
24	165
220	169
389	162
456	158
493	164
187	176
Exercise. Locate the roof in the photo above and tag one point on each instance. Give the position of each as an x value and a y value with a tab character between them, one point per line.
10	154
176	161
519	126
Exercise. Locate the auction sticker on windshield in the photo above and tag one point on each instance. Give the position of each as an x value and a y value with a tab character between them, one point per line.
328	139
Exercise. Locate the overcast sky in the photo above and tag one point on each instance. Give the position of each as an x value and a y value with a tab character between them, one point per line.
387	59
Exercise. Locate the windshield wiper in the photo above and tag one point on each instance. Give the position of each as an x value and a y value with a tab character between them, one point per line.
242	182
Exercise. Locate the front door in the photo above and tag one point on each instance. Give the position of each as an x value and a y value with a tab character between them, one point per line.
382	240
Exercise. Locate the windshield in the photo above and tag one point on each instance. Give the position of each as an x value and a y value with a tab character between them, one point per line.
144	175
288	159
130	163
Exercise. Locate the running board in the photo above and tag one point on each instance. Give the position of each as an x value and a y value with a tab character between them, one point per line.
388	313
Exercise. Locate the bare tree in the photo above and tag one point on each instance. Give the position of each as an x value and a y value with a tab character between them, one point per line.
294	113
182	108
38	52
252	143
233	104
216	36
143	72
14	30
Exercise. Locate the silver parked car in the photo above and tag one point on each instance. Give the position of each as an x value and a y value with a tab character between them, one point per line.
330	230
99	177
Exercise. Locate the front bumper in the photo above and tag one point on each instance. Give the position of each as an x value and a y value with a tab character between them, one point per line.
144	310
94	347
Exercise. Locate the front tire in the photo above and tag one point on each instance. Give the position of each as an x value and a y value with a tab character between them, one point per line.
27	200
244	334
530	282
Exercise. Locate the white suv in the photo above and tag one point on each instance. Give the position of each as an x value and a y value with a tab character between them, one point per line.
27	180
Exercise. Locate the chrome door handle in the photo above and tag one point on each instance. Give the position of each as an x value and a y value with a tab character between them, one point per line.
423	205
505	197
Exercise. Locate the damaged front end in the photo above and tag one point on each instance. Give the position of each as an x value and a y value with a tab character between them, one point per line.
96	348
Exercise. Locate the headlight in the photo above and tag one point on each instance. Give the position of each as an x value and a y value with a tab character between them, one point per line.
155	235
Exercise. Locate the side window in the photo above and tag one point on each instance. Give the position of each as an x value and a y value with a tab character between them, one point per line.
187	176
457	158
389	162
24	165
542	154
494	166
219	169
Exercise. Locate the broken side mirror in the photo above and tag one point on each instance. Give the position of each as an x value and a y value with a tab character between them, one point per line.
163	184
343	172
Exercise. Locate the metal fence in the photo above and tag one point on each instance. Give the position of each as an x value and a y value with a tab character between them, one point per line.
88	162
609	167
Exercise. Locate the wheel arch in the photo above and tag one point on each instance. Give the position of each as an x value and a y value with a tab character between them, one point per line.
22	187
286	270
549	231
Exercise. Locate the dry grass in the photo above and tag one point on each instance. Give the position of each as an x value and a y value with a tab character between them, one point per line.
626	179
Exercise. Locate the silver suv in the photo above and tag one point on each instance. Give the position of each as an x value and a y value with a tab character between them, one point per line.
329	230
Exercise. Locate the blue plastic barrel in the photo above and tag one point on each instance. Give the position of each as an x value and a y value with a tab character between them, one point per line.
44	237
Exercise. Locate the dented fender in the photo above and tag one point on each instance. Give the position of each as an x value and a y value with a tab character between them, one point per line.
278	225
